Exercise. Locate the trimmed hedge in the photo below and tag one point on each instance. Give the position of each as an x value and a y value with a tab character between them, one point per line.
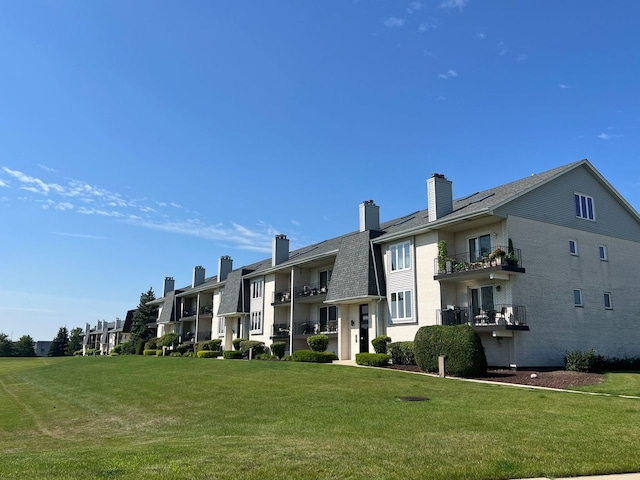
461	345
402	353
237	341
232	355
314	357
184	348
213	344
258	347
150	351
209	353
372	359
151	344
169	340
578	361
318	343
380	343
278	349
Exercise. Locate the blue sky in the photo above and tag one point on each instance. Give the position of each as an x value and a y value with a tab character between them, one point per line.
142	138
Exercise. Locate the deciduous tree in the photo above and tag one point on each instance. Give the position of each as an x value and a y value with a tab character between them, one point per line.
24	347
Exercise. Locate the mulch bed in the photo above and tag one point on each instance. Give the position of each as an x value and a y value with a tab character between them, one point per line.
540	377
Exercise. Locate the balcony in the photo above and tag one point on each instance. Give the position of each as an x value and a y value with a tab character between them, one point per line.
498	264
306	328
313	292
188	314
501	317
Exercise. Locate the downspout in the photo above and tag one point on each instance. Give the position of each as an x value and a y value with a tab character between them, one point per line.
375	271
291	314
197	317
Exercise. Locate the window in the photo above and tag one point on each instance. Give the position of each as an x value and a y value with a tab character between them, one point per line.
573	247
577	297
401	305
401	256
607	301
602	252
329	319
220	326
584	206
479	247
256	288
256	322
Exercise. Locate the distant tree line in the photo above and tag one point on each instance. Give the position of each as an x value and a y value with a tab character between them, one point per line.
64	343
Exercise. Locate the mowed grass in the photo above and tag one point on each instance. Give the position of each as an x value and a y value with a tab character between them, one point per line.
618	383
181	418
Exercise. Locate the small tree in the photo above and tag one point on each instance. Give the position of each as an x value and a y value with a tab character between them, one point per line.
380	343
58	347
75	341
169	340
6	346
144	315
24	347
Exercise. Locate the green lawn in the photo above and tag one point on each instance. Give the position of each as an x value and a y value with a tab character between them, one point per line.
619	383
172	418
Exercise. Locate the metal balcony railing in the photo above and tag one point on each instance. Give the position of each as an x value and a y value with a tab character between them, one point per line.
500	314
468	261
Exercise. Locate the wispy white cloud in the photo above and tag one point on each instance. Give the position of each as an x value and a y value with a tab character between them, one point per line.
441	98
393	22
430	54
460	4
33	184
3	184
414	7
79	235
429	24
563	86
522	57
45	168
448	74
481	36
502	49
64	206
608	136
296	223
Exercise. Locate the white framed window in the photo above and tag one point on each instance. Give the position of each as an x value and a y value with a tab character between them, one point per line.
329	319
573	247
602	252
584	206
256	322
479	247
256	288
401	306
607	301
577	297
400	256
220	326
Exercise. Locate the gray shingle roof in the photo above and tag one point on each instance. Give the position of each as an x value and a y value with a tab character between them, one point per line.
167	314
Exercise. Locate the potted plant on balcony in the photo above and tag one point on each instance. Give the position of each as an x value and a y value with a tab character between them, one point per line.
511	259
497	256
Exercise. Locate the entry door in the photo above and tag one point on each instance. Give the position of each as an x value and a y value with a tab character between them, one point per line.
481	299
364	328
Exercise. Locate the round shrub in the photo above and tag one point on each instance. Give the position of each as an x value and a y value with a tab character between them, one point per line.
213	344
460	344
169	340
278	349
402	353
372	359
151	344
256	347
578	361
318	343
380	343
237	341
150	351
184	348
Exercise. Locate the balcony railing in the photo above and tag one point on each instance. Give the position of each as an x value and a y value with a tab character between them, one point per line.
469	261
304	328
500	315
300	292
283	296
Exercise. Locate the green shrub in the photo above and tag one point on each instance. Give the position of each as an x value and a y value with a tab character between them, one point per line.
402	353
318	343
140	347
92	352
460	344
127	348
232	355
578	361
278	349
312	356
151	352
237	341
286	358
151	344
258	347
175	354
117	350
265	356
184	348
213	344
169	340
613	364
380	343
159	353
209	353
372	359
